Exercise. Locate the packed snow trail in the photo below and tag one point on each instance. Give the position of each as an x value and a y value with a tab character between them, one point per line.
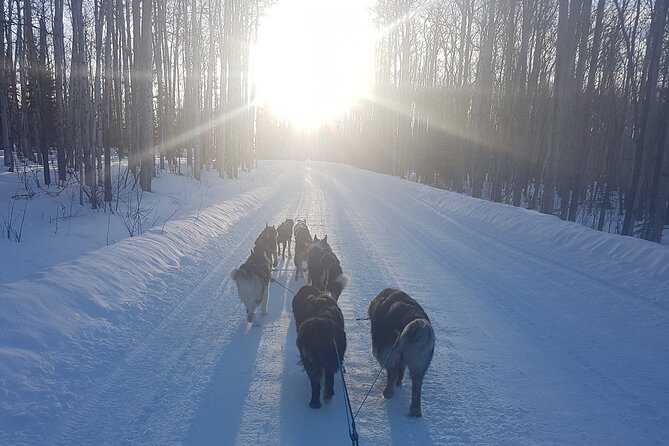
537	341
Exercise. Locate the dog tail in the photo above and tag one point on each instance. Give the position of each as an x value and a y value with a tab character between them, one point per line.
342	280
305	272
417	332
337	286
416	343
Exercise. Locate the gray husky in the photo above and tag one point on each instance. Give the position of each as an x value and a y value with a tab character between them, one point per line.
267	241
253	279
402	337
284	235
302	241
324	268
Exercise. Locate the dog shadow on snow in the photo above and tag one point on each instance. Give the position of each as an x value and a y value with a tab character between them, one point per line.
405	430
218	417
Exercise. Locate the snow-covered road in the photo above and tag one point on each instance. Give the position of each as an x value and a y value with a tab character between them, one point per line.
547	332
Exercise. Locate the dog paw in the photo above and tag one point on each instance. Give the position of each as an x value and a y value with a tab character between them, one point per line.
388	393
415	411
327	396
315	404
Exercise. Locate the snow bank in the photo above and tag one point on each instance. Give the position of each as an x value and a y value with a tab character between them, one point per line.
60	324
529	231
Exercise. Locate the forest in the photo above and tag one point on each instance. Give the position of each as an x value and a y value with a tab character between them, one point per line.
557	106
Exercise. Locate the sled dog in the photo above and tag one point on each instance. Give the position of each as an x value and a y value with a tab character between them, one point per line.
324	268
402	333
320	326
267	241
284	235
253	279
302	241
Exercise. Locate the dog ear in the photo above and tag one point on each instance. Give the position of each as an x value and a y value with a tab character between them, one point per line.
325	239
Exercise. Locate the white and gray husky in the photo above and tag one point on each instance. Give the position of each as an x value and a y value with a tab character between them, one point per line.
402	337
253	279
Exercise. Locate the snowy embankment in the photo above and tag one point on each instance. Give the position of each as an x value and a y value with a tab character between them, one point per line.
61	328
612	257
547	332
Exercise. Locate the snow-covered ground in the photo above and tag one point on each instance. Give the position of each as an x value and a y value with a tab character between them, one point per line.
547	332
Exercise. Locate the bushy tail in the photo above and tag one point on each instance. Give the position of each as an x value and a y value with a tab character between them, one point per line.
305	272
416	343
342	280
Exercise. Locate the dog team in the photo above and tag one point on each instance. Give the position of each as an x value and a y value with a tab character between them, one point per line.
402	336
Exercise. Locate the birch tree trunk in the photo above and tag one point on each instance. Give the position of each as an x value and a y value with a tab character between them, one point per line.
106	100
59	66
145	101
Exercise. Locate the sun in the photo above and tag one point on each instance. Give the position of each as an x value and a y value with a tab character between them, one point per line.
314	59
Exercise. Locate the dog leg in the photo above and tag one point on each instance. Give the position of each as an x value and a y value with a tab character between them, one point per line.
400	373
415	409
265	298
329	385
389	391
315	378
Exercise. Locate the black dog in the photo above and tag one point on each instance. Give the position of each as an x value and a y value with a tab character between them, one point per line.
302	241
320	327
324	268
403	337
267	242
284	234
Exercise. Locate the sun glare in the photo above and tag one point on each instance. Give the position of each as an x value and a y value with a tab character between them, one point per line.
314	58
